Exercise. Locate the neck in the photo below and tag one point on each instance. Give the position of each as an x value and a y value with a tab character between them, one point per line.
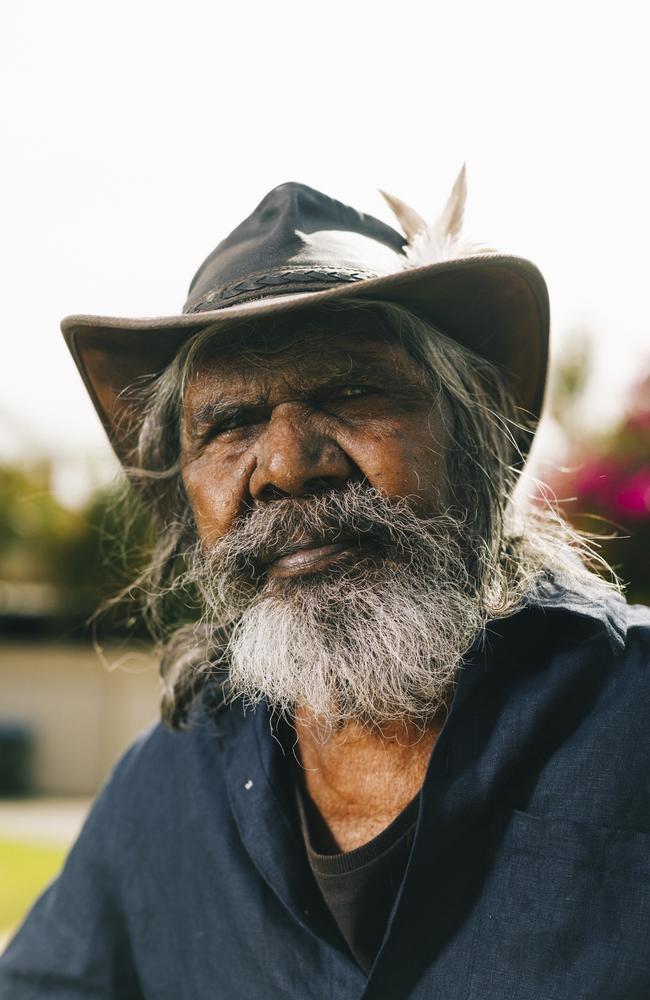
360	779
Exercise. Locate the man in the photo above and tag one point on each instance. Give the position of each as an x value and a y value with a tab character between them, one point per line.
407	736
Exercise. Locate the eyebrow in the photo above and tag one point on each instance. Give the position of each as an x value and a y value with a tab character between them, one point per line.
209	413
357	372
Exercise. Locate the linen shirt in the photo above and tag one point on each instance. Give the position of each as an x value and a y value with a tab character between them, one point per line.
528	878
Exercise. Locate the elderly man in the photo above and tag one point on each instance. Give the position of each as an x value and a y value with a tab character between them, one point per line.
405	738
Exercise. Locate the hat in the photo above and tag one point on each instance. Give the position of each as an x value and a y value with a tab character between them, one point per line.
299	249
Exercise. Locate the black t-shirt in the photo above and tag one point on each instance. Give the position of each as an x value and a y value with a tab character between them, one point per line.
360	886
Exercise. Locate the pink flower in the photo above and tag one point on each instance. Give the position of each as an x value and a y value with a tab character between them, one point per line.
595	481
632	496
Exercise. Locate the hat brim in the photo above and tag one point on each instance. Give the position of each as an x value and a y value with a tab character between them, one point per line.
494	304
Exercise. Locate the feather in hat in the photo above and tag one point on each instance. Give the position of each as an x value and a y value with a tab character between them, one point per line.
441	240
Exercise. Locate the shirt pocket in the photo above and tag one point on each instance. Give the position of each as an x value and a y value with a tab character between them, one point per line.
564	913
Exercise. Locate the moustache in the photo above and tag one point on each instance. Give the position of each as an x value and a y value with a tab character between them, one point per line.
357	515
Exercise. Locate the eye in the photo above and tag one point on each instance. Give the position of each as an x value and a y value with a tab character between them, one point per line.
351	391
350	401
230	426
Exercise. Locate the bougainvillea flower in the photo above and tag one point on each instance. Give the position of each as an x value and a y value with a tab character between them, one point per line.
632	496
595	481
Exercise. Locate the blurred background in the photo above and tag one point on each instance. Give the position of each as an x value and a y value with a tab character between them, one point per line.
135	137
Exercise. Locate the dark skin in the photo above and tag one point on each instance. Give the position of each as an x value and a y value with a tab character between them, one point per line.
260	428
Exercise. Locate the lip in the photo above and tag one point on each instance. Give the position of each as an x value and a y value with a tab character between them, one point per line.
309	558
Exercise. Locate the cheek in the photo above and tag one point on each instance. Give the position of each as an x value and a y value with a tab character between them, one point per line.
216	497
400	460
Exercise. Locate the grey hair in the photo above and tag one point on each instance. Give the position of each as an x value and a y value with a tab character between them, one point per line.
510	548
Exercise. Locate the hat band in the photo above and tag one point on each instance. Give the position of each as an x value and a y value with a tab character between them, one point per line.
259	286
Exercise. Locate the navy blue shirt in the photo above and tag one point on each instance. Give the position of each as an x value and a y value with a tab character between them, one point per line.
528	879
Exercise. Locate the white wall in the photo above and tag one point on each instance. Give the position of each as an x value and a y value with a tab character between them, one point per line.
82	713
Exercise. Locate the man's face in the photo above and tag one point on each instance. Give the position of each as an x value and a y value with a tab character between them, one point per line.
347	409
327	554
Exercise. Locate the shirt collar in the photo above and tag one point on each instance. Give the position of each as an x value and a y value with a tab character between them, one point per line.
606	607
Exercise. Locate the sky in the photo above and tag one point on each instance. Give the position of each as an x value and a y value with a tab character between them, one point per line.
137	135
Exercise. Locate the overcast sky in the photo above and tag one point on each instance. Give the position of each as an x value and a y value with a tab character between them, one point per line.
137	135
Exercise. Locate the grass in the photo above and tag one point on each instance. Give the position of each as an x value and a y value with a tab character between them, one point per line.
25	870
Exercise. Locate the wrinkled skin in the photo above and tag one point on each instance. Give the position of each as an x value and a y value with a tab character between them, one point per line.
288	423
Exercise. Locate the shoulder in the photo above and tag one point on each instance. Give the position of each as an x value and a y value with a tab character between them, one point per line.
161	752
592	651
586	710
628	677
611	746
160	747
638	628
594	619
161	776
622	664
631	663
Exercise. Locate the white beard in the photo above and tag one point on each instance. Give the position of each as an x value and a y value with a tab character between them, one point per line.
376	640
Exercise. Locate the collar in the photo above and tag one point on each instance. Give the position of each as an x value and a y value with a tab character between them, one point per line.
591	599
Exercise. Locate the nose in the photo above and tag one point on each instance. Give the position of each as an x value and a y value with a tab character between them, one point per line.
295	459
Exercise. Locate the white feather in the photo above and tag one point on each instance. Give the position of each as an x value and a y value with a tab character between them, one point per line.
442	239
411	222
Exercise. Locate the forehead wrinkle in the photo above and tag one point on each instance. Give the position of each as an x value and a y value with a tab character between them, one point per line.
314	361
298	343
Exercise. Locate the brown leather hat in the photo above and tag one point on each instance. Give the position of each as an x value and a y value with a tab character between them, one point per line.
300	248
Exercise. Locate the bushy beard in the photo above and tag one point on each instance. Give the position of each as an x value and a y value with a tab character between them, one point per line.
375	638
